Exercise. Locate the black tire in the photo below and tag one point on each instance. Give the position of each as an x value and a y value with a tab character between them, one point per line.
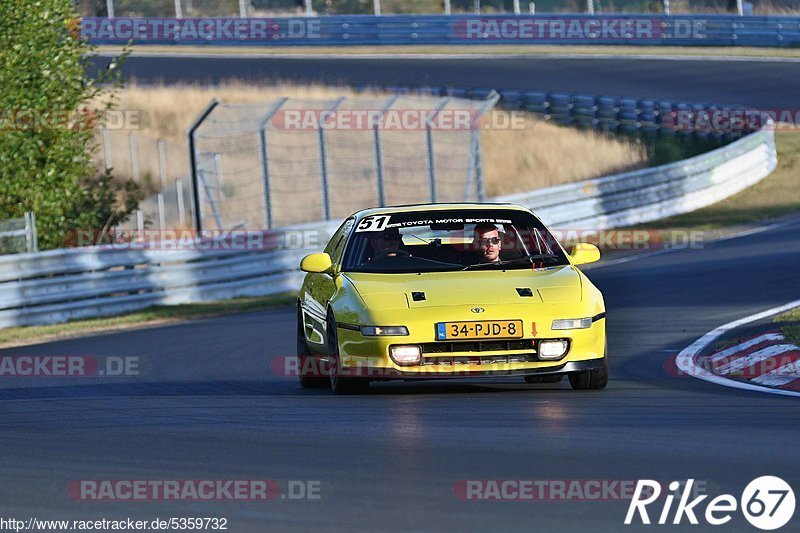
339	384
307	380
544	379
591	379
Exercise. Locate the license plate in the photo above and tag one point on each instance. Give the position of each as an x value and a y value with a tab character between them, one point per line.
485	329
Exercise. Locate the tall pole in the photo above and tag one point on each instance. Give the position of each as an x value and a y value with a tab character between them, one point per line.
323	165
110	8
590	7
376	4
198	222
447	7
666	7
262	137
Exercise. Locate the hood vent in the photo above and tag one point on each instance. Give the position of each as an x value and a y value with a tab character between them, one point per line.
525	292
419	296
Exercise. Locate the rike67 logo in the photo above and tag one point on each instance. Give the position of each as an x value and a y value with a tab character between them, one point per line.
767	503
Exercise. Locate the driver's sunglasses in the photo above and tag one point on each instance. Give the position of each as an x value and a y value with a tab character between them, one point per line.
392	237
490	240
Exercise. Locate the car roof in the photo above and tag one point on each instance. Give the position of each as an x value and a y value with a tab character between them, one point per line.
411	208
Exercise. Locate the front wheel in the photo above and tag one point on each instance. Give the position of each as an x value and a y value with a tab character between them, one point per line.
340	384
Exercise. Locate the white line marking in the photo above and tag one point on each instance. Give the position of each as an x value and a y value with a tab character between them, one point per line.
753	358
733	350
774	381
686	359
781	375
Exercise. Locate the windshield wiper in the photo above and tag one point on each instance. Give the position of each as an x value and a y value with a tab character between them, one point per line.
527	258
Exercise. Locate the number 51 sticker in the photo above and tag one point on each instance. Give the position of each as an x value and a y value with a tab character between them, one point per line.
373	223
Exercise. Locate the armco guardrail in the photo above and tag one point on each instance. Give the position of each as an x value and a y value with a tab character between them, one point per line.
658	192
62	285
337	30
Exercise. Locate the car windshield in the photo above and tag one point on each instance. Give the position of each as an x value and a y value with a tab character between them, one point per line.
451	240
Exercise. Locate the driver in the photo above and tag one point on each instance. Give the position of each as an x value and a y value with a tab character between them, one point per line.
386	244
487	239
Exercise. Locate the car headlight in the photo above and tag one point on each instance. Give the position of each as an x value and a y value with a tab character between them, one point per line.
553	348
572	323
380	331
406	355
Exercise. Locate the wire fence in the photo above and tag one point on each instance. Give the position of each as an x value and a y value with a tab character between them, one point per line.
18	235
291	161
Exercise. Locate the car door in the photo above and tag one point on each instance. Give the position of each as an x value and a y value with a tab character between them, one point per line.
320	288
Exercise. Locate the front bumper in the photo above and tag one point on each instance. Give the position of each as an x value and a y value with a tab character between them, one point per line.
562	368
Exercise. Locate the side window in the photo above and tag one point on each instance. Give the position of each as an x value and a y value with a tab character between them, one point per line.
336	246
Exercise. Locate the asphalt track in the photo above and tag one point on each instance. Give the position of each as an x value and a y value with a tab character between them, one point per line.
208	406
761	84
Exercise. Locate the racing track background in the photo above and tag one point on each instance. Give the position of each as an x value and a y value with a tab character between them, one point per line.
210	407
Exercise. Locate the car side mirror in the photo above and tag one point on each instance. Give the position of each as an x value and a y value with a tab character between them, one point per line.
317	263
583	253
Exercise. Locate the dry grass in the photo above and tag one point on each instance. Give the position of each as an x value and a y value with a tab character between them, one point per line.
538	155
775	196
544	154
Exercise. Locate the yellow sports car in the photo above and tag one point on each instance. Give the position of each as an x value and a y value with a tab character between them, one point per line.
448	290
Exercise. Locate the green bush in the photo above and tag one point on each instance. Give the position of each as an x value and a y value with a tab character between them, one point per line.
48	114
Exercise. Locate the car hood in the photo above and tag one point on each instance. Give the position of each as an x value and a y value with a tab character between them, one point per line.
396	291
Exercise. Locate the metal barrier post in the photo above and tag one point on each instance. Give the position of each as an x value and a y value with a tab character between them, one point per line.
134	156
162	164
110	8
379	155
178	10
198	223
107	149
262	139
162	218
323	165
31	239
181	209
429	138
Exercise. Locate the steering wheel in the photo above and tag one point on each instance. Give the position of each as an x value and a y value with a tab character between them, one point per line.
384	254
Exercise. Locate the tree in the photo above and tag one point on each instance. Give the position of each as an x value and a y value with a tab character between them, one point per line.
49	109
